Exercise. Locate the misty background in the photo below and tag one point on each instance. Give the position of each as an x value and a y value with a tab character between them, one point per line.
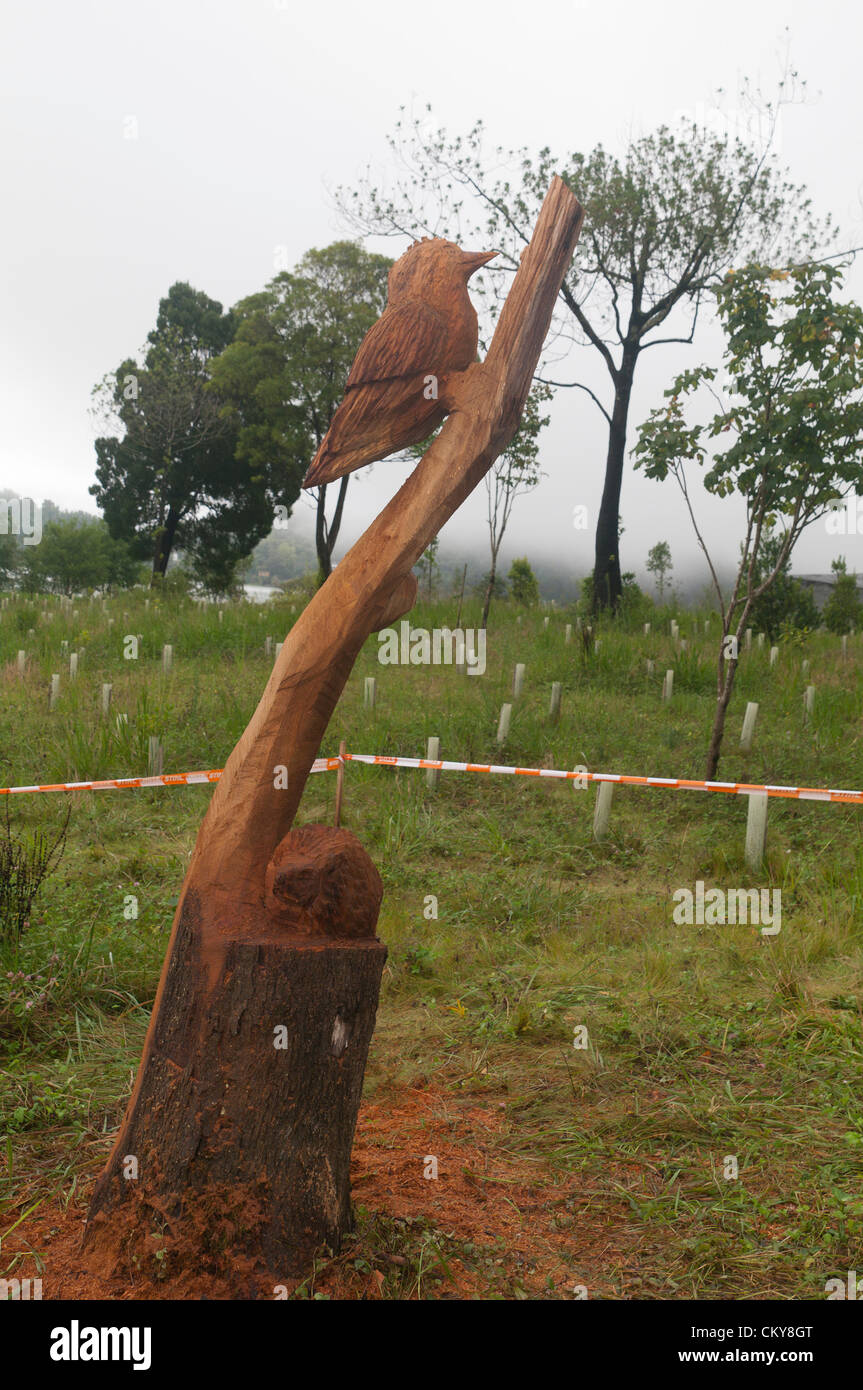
204	142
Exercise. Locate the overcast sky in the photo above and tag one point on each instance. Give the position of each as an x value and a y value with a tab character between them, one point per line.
181	140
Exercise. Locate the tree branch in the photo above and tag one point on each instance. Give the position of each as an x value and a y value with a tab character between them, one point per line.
573	305
578	386
654	342
681	479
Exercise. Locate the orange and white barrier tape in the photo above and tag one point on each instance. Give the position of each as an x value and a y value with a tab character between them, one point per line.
168	779
677	783
184	779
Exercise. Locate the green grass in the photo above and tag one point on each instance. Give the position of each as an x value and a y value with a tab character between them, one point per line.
702	1041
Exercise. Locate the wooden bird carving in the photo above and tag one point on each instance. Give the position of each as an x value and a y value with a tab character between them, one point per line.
428	329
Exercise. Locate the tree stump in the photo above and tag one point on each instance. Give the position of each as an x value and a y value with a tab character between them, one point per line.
237	1139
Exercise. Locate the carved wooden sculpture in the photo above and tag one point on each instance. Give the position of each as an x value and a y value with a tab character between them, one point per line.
428	329
235	1138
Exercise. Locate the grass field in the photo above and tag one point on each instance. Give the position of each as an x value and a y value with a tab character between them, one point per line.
560	1169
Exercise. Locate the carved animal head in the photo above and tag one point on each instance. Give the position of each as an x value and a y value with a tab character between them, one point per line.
433	266
321	882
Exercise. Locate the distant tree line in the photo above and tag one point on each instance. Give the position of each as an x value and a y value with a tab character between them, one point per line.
206	439
76	551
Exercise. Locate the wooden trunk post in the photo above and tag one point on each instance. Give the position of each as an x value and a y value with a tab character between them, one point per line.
602	809
240	1124
747	733
756	830
461	597
503	724
433	756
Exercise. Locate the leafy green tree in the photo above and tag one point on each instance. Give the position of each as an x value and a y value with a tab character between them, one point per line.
794	364
10	557
17	521
75	555
522	583
662	222
659	563
495	582
219	572
633	601
428	566
284	375
843	610
168	473
786	604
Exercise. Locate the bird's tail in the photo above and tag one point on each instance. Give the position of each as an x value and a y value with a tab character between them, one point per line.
372	422
329	464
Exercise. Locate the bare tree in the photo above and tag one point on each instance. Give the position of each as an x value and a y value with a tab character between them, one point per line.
515	472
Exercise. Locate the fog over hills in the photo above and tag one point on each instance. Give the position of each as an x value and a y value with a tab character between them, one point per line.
288	553
559	560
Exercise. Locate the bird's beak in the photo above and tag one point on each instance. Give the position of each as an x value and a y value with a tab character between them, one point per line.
472	260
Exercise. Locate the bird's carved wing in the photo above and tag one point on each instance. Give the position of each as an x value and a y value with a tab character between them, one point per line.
406	340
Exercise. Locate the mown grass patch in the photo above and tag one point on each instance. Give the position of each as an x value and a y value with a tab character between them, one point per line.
508	928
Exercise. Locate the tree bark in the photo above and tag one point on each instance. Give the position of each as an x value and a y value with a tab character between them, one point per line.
489	592
717	732
326	536
461	597
204	1115
165	544
242	1123
323	554
335	525
726	675
607	581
